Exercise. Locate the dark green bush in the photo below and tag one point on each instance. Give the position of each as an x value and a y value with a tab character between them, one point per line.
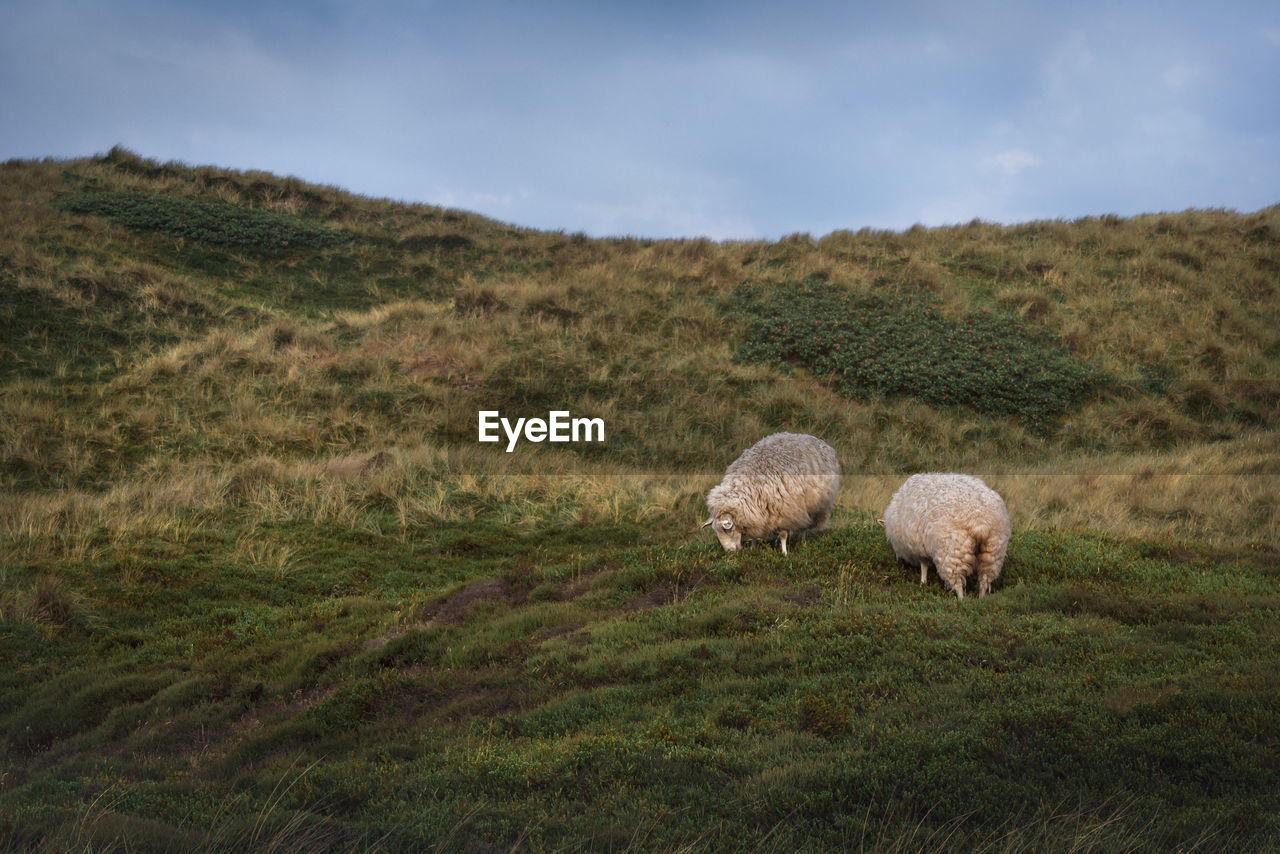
871	346
205	221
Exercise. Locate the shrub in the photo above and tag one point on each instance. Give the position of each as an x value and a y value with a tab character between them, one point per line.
823	717
205	221
868	345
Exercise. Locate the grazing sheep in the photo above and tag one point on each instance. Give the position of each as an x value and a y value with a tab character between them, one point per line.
953	521
784	483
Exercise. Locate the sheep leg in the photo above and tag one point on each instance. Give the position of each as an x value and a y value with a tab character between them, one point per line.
989	564
984	583
782	538
924	572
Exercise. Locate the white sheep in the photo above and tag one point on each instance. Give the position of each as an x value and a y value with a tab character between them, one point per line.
785	483
953	521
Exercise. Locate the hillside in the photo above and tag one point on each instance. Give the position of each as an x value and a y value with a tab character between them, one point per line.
262	587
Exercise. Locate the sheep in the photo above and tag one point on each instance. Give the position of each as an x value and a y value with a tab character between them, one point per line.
953	521
785	483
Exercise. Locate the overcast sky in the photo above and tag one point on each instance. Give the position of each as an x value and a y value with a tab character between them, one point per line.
675	119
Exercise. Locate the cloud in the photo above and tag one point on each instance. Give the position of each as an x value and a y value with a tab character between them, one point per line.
495	204
1179	75
1011	162
716	118
658	215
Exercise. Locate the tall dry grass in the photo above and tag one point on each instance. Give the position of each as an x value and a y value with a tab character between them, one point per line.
265	403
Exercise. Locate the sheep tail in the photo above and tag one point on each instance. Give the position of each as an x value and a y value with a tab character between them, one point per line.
987	560
957	560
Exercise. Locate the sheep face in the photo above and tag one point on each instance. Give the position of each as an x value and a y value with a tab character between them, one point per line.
729	534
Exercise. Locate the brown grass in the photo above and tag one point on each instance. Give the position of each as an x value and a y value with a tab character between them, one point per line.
275	411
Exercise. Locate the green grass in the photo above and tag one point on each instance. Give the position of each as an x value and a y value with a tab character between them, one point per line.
261	589
871	346
205	222
507	687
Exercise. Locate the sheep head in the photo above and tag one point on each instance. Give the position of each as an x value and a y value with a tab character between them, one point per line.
730	535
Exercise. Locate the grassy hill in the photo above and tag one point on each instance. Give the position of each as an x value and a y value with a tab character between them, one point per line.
261	588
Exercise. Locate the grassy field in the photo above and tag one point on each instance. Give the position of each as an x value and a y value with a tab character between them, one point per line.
261	588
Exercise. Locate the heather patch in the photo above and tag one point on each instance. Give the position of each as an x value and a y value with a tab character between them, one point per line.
205	221
870	346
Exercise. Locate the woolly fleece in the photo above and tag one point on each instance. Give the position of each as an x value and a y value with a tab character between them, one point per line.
783	484
953	521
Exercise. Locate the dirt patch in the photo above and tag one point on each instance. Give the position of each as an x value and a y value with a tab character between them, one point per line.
666	593
804	598
361	466
452	609
1266	558
444	368
480	701
301	700
550	632
574	588
652	598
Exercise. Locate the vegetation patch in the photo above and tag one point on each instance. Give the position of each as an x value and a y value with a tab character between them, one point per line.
871	346
205	221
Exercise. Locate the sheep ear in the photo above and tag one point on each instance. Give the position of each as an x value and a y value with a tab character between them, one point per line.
707	523
880	522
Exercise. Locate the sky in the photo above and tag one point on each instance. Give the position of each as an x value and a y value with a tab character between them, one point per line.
729	120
